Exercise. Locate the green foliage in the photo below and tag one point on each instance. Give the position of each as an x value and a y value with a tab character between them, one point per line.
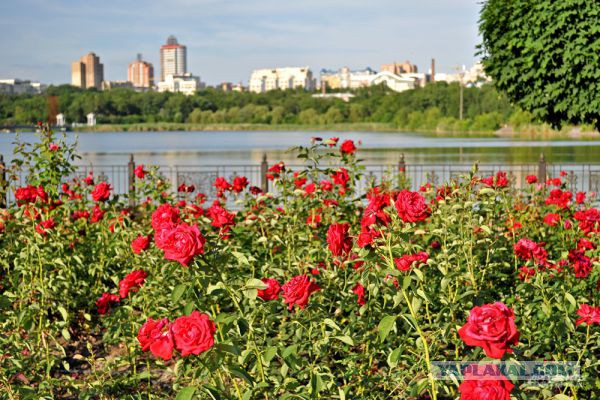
545	55
430	104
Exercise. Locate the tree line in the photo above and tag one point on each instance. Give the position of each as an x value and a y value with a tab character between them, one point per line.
433	107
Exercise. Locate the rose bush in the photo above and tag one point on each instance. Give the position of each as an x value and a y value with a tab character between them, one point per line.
320	288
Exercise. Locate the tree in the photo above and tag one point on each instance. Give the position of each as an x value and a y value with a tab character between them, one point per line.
546	56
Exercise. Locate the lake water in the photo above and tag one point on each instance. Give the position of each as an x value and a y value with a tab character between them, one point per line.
237	148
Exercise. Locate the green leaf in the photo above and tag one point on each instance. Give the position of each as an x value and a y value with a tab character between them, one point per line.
254	283
63	312
290	350
178	292
392	359
331	324
186	393
240	373
346	339
269	353
385	326
571	299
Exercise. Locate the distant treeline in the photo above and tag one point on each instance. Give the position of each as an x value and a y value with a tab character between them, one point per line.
433	107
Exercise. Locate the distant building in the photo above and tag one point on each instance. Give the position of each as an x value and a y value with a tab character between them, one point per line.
263	80
186	84
239	88
88	72
173	59
60	120
91	119
108	85
19	86
345	78
342	96
397	83
225	86
474	76
400	68
140	73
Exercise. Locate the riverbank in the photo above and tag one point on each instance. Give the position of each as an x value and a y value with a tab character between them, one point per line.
531	132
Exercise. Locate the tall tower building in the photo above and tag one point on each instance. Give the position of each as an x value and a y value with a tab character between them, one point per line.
88	72
173	58
140	73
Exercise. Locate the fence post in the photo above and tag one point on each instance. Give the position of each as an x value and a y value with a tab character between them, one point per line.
3	185
264	168
131	180
542	169
402	164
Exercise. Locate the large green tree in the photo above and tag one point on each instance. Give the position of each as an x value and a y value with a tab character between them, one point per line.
546	56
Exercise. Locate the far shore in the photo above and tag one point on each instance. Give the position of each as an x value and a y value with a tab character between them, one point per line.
525	132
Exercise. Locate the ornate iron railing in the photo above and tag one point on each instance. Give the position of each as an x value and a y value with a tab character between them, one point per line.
579	178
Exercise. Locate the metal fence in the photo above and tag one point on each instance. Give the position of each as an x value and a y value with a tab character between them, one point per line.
579	178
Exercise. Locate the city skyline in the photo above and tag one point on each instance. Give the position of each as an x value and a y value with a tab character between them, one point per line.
226	40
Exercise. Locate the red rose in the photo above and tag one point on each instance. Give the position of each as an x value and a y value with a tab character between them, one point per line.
582	264
348	147
411	206
97	214
103	302
298	290
239	183
271	292
101	192
182	243
359	290
527	249
405	262
156	337
326	185
551	219
89	180
589	315
275	171
164	217
589	220
339	241
193	334
132	282
140	243
43	227
580	197
139	171
492	327
53	147
559	198
484	382
498	181
220	217
340	177
531	179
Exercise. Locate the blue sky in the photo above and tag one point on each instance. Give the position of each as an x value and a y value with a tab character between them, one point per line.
226	39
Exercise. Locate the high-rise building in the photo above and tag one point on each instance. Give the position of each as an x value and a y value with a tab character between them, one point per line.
140	73
263	80
88	72
345	78
173	58
400	68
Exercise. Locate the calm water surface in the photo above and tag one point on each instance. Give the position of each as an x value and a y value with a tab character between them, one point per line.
229	148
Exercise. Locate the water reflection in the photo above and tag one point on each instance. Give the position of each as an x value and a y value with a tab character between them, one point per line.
206	148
